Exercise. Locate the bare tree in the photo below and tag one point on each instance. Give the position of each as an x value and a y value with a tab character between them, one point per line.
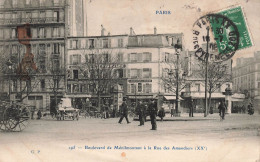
174	79
102	72
217	76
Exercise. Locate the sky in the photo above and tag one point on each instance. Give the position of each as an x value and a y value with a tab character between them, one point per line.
117	16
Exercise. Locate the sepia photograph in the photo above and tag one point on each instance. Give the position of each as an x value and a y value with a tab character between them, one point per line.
129	80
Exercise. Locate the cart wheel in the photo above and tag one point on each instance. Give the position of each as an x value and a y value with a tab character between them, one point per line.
16	119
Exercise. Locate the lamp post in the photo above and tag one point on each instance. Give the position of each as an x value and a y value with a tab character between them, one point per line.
206	75
178	48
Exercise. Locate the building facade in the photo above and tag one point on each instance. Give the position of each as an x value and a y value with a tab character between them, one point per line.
246	79
142	58
48	26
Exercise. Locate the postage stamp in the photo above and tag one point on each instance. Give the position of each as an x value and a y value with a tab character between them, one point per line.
228	32
236	15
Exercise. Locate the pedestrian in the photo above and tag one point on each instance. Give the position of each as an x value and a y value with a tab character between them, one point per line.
222	108
152	108
124	112
39	114
161	113
141	112
250	109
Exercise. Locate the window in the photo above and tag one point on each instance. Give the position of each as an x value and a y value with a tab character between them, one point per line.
56	48
42	14
1	33
28	15
139	57
147	73
42	84
133	88
258	84
75	59
42	58
14	3
42	2
120	42
56	16
75	74
147	57
148	88
55	32
75	44
258	75
197	87
75	88
91	43
56	2
41	32
27	2
136	73
69	88
140	87
105	43
91	58
14	33
105	58
6	33
14	49
14	15
133	57
166	57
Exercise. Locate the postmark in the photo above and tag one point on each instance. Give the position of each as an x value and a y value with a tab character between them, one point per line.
221	34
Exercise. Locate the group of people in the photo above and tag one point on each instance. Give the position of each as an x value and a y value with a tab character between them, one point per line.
142	110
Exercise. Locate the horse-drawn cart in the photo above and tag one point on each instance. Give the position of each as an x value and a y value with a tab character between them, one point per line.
13	116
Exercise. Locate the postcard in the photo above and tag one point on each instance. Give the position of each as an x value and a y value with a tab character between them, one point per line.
129	80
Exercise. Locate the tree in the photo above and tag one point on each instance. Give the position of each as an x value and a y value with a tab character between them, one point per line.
175	81
217	76
102	72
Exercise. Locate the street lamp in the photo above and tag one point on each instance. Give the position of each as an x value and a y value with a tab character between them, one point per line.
178	48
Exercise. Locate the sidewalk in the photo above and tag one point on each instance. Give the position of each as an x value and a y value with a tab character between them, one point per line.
196	117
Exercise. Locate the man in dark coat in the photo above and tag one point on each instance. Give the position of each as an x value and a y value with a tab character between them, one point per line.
124	112
222	108
152	108
141	112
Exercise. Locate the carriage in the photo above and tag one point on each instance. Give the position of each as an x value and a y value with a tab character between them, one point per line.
14	116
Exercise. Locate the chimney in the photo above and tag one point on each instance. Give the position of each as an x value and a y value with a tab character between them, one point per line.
131	31
155	30
102	30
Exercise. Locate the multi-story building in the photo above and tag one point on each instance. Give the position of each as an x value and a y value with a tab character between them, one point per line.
147	60
195	88
143	57
246	78
49	22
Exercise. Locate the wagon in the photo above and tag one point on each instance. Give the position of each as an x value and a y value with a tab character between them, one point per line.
66	111
13	116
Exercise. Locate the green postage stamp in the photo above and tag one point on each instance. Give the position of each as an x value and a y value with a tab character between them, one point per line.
237	16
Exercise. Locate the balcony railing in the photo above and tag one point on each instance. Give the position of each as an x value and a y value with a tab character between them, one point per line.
31	20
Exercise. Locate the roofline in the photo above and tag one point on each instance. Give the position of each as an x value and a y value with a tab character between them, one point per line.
71	37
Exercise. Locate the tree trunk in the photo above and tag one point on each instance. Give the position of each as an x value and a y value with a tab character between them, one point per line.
209	102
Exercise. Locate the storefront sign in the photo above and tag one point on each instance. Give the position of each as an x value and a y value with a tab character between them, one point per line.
136	80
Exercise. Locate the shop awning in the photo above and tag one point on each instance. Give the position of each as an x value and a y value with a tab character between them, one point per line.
170	97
